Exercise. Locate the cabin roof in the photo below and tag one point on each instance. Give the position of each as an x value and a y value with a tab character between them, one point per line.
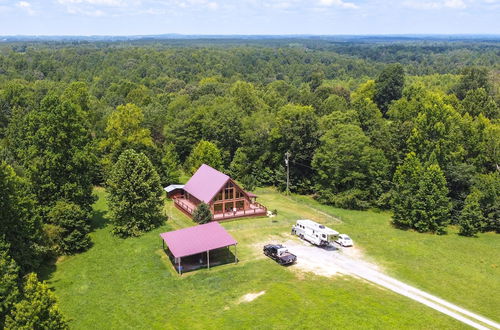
197	239
172	187
206	183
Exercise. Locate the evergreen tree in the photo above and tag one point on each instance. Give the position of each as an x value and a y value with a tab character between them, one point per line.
9	277
406	184
389	86
37	310
204	152
134	195
432	205
489	186
20	226
202	214
72	227
471	218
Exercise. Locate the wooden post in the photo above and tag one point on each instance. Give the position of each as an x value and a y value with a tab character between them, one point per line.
179	266
208	259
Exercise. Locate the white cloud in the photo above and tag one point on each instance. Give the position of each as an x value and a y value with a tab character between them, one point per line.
212	5
338	3
111	3
453	4
26	6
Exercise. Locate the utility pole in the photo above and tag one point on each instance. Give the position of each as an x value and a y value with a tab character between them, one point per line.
287	156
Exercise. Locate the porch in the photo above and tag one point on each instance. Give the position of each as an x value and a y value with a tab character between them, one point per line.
254	209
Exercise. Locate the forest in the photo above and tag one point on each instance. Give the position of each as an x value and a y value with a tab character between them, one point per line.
407	126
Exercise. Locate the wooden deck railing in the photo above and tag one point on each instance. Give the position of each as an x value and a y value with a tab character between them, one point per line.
184	206
256	209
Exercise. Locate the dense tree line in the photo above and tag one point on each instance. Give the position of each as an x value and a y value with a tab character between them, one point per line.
360	131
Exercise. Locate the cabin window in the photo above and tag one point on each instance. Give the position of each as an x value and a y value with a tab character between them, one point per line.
239	194
240	205
218	208
229	193
229	207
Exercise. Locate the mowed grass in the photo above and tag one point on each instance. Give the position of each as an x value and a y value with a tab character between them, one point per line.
130	283
463	270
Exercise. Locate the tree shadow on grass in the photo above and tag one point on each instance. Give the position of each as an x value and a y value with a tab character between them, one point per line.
47	269
98	220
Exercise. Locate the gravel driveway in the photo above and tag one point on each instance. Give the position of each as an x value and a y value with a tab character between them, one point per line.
350	261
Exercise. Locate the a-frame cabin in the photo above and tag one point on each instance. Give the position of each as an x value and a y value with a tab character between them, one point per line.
224	196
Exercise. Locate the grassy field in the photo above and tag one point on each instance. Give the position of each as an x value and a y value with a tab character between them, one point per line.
129	283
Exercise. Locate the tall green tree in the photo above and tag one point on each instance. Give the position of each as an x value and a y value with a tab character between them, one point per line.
472	78
404	197
20	225
56	150
296	130
436	131
471	218
170	168
202	214
389	86
245	97
134	195
489	187
71	227
478	101
432	205
350	172
205	152
9	279
124	130
37	310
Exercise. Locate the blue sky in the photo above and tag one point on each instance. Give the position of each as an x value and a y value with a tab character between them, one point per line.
132	17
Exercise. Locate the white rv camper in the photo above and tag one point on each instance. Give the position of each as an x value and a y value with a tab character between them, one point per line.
314	232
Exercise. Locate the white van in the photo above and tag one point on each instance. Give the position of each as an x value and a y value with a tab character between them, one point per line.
344	240
314	232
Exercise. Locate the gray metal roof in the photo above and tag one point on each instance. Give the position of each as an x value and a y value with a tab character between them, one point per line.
172	187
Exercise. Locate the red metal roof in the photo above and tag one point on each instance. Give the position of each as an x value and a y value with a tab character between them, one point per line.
205	183
198	239
249	194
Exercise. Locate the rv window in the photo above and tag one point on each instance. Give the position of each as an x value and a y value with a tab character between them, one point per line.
321	226
324	236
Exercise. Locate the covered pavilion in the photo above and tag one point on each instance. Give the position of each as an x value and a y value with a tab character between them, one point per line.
197	240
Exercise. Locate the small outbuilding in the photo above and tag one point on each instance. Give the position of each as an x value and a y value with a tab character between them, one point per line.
197	240
175	191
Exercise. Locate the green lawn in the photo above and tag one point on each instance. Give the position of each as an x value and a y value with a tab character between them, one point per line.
129	283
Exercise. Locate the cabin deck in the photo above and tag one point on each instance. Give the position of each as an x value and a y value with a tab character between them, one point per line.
255	209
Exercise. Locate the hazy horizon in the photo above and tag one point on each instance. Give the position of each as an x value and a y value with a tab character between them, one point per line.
248	17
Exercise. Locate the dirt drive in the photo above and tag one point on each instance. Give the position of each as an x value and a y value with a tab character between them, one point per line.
336	260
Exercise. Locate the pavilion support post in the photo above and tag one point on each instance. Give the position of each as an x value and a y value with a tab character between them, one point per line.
208	259
179	266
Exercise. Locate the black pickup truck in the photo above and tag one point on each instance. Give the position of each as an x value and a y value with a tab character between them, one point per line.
279	253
